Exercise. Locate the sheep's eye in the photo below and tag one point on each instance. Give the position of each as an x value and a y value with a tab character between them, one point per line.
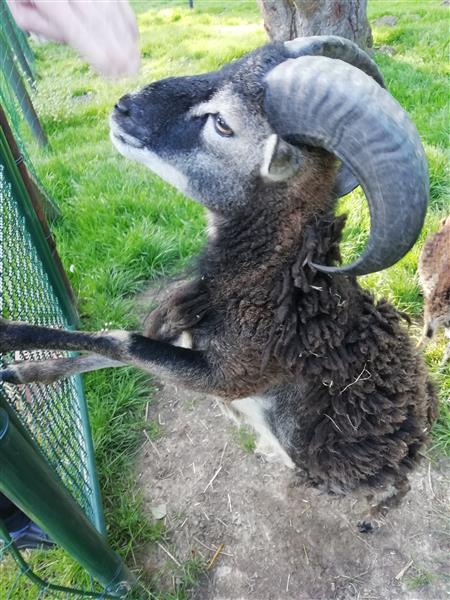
222	127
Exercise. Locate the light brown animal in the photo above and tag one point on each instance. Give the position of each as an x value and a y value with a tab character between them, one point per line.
434	276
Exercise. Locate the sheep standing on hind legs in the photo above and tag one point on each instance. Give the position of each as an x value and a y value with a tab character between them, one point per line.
325	374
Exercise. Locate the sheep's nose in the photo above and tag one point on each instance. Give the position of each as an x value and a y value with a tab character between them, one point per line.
124	105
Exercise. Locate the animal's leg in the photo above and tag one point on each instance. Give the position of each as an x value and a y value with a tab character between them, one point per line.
196	369
427	334
181	308
375	517
428	329
18	335
47	371
446	356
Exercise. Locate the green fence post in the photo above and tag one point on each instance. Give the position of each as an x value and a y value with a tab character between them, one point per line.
99	519
28	481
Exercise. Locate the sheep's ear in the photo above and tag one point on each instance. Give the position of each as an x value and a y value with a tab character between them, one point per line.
281	160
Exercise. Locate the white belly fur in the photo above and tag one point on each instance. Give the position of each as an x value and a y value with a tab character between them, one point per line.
251	412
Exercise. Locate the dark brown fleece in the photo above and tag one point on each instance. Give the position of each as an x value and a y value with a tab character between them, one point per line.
339	363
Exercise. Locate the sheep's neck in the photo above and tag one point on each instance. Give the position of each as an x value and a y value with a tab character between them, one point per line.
259	242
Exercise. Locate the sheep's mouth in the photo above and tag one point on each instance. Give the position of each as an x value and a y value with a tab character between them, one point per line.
120	137
133	149
127	140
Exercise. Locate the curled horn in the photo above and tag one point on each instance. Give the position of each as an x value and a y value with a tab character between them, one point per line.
333	46
340	48
329	103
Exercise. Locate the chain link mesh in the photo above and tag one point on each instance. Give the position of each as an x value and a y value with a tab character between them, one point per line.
32	290
9	100
51	413
20	37
16	79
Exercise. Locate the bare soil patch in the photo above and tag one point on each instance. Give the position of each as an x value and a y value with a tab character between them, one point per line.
280	541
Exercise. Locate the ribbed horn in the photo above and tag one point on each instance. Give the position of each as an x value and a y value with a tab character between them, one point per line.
333	46
330	104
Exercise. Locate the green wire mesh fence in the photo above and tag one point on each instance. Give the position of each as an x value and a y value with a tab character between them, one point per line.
24	48
47	466
16	70
52	413
17	81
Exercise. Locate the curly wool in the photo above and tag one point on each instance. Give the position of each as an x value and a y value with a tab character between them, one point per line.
353	403
369	406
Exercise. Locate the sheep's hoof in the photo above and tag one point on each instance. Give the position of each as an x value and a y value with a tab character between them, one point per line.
8	376
367	526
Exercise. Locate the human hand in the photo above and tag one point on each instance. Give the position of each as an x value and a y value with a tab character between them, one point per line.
103	32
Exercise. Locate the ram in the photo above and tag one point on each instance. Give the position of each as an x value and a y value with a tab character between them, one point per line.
269	323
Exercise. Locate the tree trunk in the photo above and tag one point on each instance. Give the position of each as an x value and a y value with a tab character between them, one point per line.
287	19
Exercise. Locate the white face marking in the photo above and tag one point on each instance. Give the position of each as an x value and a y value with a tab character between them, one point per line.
130	148
219	169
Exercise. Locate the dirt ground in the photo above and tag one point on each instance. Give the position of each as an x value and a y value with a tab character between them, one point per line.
281	541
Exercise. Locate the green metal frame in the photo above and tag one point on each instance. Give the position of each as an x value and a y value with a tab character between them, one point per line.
99	519
42	497
40	583
41	493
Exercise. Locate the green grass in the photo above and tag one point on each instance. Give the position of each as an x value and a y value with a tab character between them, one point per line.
419	580
121	226
246	438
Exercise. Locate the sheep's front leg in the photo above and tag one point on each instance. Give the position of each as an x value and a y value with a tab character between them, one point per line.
187	366
179	312
48	371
